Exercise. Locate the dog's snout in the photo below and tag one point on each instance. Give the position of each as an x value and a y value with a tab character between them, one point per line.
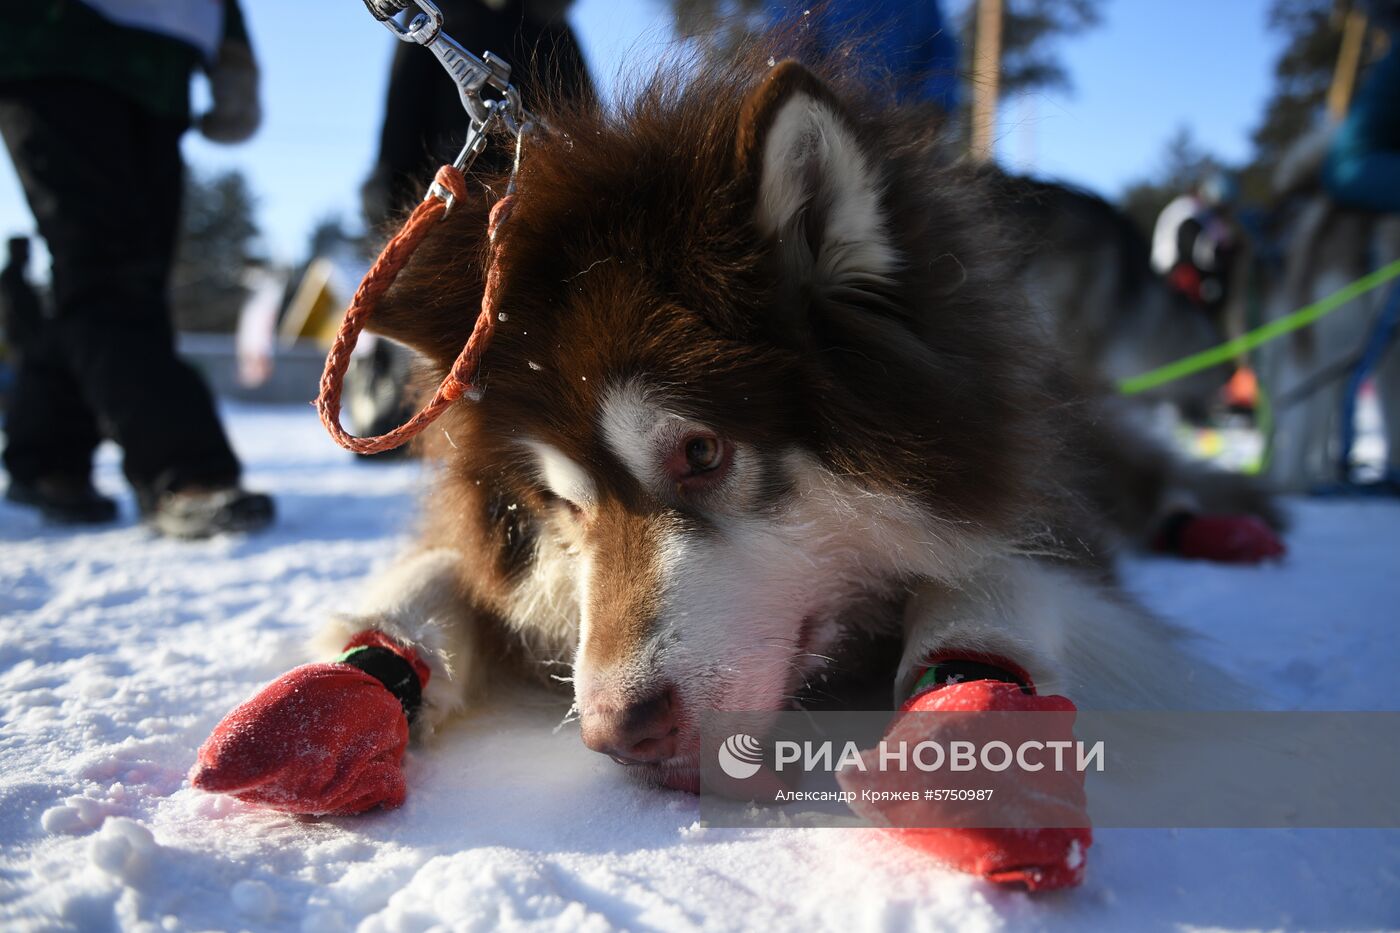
636	732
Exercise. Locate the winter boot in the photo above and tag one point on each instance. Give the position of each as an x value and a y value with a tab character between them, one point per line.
204	512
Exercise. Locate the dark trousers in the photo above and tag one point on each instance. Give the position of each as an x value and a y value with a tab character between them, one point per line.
104	179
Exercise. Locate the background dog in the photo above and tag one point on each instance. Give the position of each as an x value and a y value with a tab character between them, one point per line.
1087	269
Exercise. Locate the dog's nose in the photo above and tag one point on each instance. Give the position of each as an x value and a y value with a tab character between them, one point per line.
636	733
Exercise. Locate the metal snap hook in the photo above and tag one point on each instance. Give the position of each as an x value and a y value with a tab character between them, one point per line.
470	73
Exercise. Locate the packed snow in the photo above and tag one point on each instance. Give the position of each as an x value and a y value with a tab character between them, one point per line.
119	651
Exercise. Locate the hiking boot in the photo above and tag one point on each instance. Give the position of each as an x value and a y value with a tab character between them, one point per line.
64	500
204	512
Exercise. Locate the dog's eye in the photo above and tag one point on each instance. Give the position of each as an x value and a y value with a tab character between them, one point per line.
698	460
703	453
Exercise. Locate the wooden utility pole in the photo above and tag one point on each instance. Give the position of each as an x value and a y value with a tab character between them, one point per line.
1348	64
986	78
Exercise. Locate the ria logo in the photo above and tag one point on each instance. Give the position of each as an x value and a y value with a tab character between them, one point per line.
740	756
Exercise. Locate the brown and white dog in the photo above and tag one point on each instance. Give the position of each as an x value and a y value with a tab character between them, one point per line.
763	385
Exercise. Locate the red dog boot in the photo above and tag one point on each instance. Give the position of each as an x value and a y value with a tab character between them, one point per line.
322	738
1046	857
1228	539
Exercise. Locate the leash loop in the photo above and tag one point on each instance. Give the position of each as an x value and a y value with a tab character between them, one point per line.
461	378
471	75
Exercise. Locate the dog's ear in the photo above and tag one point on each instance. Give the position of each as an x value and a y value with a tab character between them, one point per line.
817	190
433	305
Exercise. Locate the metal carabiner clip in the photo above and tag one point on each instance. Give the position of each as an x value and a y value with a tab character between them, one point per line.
470	73
424	28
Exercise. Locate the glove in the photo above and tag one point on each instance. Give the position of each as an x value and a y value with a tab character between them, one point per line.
1039	859
323	738
1229	539
233	84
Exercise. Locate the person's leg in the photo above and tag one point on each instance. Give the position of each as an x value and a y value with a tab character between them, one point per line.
110	219
164	414
50	432
405	162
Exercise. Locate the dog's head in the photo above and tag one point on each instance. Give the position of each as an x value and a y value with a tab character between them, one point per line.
748	383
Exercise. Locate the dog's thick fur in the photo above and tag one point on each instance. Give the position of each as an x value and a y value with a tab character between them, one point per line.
759	256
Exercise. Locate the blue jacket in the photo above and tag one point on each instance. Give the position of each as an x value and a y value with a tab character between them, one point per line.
912	41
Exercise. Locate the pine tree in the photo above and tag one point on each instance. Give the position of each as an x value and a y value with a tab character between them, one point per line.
217	242
1302	75
1029	32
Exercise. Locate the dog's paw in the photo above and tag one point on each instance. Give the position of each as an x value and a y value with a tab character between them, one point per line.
320	739
1228	539
1045	845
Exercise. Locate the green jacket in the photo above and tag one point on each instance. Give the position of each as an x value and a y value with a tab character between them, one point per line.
67	39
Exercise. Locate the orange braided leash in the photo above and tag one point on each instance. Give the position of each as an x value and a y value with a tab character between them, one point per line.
381	276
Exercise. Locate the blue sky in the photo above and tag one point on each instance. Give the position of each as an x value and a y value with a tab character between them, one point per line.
1151	67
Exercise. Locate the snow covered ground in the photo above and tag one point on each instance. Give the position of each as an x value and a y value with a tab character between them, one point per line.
119	651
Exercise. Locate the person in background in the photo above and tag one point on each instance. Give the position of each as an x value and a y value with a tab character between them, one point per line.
1194	245
20	307
1195	238
1362	170
94	97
